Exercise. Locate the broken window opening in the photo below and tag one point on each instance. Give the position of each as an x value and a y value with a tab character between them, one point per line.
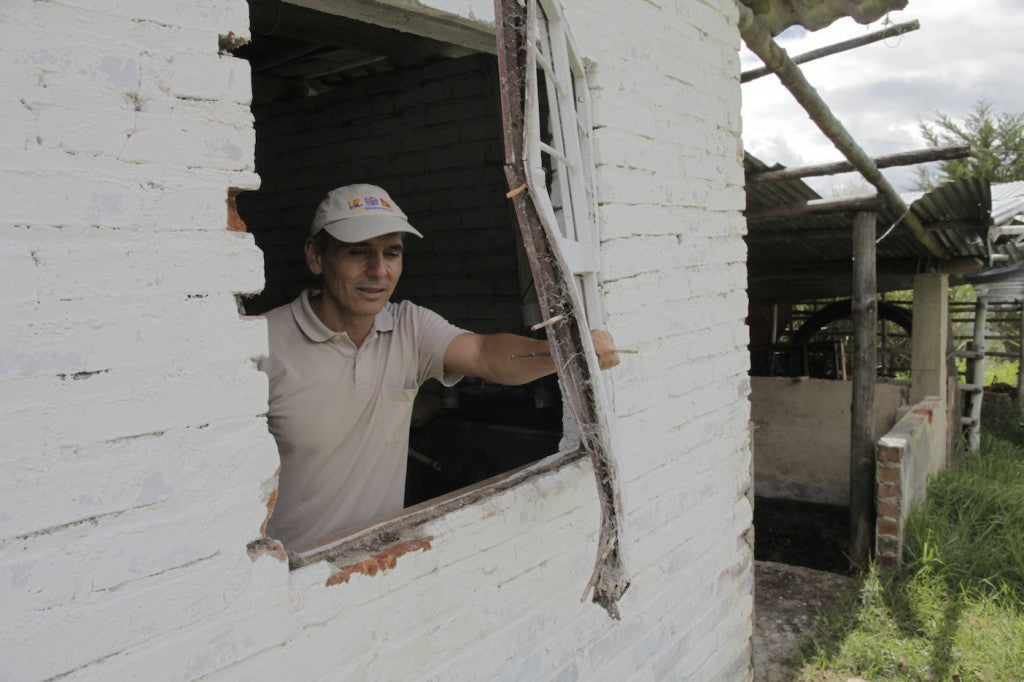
338	101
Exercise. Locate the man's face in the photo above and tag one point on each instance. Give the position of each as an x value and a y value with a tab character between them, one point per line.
358	279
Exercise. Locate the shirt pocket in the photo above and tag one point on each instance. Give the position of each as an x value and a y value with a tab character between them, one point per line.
396	413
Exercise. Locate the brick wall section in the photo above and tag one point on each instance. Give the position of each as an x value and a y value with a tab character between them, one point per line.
431	136
903	464
137	461
670	188
134	451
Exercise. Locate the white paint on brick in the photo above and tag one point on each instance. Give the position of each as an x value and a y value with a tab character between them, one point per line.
137	459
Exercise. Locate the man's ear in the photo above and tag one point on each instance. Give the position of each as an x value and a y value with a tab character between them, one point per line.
313	257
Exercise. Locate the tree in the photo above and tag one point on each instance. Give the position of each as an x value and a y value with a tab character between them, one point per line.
997	145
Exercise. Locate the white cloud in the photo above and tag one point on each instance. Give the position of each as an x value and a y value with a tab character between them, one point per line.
963	52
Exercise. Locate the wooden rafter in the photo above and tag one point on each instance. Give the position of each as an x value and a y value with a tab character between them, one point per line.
867	202
945	153
761	43
866	39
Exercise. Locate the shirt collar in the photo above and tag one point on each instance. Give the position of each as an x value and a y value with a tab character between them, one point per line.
318	332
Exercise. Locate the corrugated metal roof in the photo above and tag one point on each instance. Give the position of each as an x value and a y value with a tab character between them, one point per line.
958	214
962	206
1008	203
965	206
777	15
1006	284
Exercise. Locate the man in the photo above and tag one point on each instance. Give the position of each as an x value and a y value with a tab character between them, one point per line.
345	365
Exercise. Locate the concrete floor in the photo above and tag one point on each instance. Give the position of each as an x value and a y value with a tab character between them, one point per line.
787	600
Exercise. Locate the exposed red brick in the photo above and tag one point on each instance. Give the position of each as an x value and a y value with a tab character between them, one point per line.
271	502
888	546
235	222
890	509
888	492
888	526
381	561
889	474
889	454
886	562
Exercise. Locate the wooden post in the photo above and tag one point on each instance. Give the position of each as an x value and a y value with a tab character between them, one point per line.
862	442
1020	361
977	379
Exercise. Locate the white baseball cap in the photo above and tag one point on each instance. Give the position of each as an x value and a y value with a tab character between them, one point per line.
356	213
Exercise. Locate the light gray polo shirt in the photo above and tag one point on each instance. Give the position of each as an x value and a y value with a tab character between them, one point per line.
341	414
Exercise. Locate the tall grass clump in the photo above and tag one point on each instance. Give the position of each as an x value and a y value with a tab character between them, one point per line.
954	612
915	627
973	517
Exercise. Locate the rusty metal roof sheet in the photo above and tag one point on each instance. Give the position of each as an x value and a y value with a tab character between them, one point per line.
1008	203
778	15
1005	284
959	214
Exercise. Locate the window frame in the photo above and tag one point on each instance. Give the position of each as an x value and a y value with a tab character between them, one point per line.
571	205
571	201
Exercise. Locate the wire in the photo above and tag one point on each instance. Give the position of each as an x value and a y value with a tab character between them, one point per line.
893	226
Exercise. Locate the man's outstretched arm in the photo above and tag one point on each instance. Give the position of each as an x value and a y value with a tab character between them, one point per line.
513	360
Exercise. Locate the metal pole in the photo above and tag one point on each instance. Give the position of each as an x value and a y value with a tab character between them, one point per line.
862	442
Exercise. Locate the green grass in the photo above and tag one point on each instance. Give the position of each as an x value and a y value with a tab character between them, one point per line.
955	611
1002	372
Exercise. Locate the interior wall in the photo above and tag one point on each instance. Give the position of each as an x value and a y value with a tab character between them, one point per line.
431	136
802	435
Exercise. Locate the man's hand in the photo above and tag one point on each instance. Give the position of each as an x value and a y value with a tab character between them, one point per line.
604	346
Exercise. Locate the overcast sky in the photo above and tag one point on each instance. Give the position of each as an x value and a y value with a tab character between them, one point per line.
965	50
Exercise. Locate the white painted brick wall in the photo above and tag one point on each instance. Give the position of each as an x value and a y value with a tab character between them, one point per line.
137	462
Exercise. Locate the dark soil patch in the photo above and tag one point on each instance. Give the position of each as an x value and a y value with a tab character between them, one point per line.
801	534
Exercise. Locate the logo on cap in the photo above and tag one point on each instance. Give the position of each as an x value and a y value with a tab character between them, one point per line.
372	203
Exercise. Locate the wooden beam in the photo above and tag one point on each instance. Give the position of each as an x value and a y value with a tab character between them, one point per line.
973	225
945	153
866	39
895	266
864	202
760	42
322	26
411	17
1020	362
862	407
977	374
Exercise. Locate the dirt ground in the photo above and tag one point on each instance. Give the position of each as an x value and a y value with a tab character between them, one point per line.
787	599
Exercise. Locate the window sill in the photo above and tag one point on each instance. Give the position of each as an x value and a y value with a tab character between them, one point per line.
353	545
